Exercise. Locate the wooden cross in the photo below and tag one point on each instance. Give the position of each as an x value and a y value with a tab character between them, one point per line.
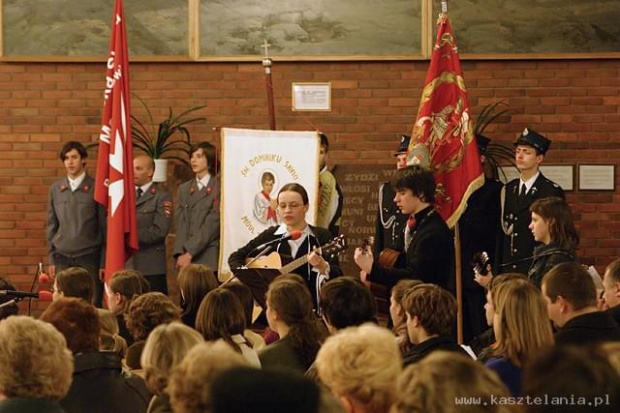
266	47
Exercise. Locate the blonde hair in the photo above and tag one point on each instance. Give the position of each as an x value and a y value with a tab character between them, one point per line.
362	364
35	359
110	340
523	325
433	384
164	349
190	383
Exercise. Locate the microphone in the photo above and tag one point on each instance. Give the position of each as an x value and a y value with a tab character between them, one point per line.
43	295
293	236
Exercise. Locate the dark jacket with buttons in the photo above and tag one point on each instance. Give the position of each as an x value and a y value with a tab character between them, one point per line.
516	242
429	256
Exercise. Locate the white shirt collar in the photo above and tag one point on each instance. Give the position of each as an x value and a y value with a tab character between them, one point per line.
202	183
529	183
75	183
145	187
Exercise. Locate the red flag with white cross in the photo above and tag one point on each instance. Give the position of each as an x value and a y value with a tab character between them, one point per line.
114	186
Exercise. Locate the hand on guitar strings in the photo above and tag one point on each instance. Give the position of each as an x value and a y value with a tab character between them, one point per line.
317	262
483	280
363	258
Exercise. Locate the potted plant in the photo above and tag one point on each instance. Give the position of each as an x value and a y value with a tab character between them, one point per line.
163	141
497	155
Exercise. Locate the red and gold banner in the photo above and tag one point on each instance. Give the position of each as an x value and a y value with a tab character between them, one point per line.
114	186
443	137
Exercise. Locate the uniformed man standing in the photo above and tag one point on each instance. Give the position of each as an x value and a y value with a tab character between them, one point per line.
390	223
516	244
75	222
197	216
330	195
153	213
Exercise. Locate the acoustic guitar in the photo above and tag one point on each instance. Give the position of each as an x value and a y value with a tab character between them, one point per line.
274	261
387	258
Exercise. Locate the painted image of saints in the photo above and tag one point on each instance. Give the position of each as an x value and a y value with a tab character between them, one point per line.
264	205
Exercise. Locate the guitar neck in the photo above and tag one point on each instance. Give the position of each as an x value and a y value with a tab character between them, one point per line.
293	265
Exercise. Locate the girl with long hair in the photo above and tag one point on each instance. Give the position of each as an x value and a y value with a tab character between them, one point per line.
195	282
552	224
221	317
289	313
521	326
123	288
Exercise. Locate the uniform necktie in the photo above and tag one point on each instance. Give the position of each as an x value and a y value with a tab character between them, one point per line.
139	192
523	193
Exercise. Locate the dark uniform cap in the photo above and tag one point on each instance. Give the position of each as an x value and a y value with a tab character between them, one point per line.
483	143
404	144
534	139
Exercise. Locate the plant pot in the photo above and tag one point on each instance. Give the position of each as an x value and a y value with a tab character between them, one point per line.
161	170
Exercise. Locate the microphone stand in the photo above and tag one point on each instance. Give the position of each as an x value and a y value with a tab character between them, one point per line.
11	301
260	254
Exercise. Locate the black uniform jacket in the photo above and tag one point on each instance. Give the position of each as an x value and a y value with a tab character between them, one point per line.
516	242
429	257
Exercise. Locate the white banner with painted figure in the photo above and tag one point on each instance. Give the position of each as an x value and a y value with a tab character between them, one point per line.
255	165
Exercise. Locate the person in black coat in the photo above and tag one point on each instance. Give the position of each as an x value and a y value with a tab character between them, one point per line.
99	383
571	302
293	204
516	243
429	249
552	224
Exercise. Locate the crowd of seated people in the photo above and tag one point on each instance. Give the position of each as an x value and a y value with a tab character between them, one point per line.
557	343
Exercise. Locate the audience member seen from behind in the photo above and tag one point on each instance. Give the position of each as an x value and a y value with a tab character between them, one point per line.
7	310
36	366
579	379
99	382
360	366
109	337
437	383
189	386
195	281
398	315
163	351
346	302
289	313
431	315
122	288
258	388
572	306
74	282
521	328
221	317
243	293
144	314
611	286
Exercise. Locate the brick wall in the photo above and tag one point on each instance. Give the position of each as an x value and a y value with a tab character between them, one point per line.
577	103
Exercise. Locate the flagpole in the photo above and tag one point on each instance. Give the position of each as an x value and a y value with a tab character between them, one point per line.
267	63
458	268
